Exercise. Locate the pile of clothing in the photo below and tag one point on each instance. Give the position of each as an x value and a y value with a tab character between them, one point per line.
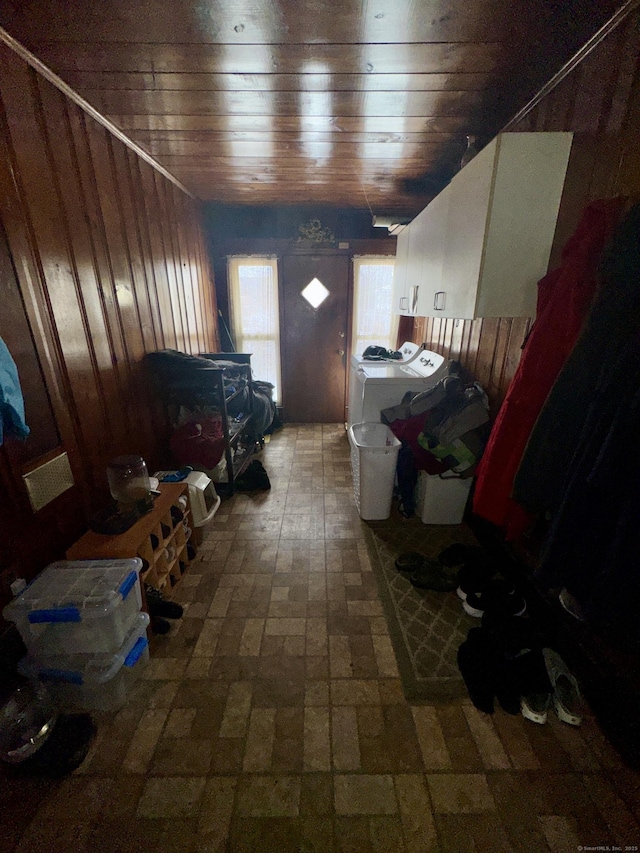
444	428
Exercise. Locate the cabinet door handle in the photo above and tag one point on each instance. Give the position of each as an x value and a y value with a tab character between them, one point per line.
414	299
439	300
403	303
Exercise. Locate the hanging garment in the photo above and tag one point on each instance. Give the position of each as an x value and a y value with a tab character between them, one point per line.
12	420
603	350
582	462
564	296
592	544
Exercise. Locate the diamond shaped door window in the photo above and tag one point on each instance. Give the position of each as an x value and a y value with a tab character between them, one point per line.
315	293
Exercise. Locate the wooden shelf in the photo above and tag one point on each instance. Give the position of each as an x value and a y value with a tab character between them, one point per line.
158	538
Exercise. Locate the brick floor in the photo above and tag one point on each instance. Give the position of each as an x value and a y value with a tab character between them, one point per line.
271	718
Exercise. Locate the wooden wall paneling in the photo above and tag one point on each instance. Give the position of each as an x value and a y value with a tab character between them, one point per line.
135	167
493	384
473	346
112	229
114	380
203	307
182	235
83	275
421	330
561	103
18	230
32	148
464	342
150	210
457	334
595	78
407	331
432	329
208	295
485	354
520	327
150	430
627	179
174	287
448	327
112	184
80	220
177	302
622	97
174	218
196	273
131	244
184	240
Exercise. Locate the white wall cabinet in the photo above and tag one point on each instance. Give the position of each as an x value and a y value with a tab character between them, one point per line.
404	293
480	247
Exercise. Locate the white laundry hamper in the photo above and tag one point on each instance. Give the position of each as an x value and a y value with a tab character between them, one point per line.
442	499
374	455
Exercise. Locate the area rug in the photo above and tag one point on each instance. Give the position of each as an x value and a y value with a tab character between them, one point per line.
426	627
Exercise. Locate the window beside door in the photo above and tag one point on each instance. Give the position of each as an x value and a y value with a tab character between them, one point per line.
374	322
253	295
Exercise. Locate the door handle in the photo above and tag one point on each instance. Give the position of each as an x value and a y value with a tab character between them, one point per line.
414	299
403	303
340	352
439	300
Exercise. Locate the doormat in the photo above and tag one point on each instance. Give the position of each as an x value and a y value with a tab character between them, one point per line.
426	627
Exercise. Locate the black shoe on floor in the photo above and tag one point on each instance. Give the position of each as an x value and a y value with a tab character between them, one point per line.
432	575
160	626
473	578
477	666
412	561
497	597
253	478
160	606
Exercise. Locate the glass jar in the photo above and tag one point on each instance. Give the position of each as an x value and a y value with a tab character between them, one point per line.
129	481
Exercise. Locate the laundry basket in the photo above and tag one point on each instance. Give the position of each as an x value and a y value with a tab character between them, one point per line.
442	499
374	454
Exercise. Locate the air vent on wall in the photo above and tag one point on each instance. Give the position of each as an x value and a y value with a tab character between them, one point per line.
48	481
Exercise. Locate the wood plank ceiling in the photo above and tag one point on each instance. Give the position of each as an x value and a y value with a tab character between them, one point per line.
350	103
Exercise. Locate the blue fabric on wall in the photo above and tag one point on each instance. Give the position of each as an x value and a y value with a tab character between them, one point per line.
11	401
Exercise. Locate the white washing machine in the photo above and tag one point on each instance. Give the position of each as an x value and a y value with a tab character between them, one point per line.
375	385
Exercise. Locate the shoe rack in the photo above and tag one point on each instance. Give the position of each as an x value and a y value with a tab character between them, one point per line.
159	538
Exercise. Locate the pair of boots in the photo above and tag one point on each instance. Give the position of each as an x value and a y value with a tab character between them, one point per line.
161	609
503	660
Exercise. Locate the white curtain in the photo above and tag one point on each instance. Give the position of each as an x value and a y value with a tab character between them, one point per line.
374	322
253	293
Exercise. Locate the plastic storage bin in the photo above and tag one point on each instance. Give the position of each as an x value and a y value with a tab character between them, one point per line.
374	455
442	500
83	606
98	682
